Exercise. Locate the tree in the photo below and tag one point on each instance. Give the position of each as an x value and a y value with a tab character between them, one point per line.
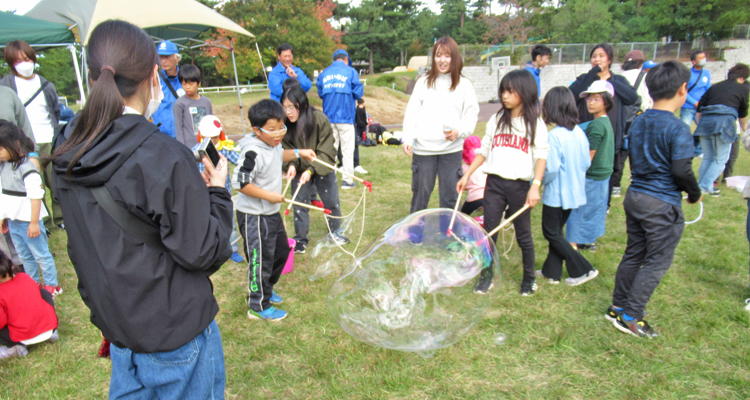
56	65
461	21
586	21
690	19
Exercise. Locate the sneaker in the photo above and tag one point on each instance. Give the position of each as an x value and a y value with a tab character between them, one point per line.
55	337
53	290
528	288
589	247
318	203
540	275
236	257
616	191
276	299
18	350
347	186
270	314
747	305
338	238
299	248
612	313
715	193
360	170
103	349
484	285
582	279
635	327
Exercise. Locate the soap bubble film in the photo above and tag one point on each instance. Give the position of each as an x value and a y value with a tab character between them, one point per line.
413	288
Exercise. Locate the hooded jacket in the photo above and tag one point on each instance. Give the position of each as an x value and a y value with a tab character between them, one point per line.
339	87
142	298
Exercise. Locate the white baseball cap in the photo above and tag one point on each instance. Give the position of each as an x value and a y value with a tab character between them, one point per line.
210	126
599	86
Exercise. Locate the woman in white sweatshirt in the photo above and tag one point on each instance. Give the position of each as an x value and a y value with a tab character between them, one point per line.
442	112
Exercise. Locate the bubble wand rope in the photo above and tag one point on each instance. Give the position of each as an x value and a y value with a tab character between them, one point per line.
699	215
364	182
296	192
363	203
455	211
509	220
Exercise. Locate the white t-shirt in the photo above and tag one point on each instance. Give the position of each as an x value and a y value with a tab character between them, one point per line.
36	111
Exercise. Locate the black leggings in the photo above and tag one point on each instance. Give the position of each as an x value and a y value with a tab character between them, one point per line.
471	206
5	339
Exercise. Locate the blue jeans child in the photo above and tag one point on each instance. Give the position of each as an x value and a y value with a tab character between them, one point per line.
33	252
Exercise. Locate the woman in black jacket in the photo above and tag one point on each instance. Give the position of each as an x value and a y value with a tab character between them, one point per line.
148	288
625	95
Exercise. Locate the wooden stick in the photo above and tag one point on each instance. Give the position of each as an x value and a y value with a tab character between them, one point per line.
509	220
296	192
364	182
288	183
297	203
455	211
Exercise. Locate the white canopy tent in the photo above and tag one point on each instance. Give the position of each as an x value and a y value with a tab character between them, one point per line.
178	20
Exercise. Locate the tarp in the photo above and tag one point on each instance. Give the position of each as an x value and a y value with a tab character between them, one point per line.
31	30
165	19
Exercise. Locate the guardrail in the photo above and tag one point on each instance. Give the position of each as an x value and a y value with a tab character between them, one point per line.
229	89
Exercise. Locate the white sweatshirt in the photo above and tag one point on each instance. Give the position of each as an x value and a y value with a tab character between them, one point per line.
509	154
430	109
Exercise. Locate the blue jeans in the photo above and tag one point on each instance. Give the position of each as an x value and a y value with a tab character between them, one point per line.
193	371
687	115
715	156
34	253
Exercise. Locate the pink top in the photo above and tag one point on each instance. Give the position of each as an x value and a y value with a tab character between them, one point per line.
475	185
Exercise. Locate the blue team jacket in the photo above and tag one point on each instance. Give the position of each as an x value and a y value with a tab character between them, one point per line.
534	71
339	87
277	77
700	89
164	114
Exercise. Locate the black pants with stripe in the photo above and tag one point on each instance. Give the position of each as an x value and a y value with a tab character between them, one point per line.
266	250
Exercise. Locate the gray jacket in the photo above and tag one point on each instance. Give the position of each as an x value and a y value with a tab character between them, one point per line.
49	92
259	164
12	110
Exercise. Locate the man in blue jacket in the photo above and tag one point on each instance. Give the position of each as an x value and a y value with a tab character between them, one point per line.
700	81
539	59
339	87
170	86
285	70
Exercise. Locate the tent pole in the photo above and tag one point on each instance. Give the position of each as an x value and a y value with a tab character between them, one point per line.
78	74
237	83
84	65
263	67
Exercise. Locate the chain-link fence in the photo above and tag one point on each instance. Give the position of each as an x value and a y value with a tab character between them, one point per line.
741	32
580	53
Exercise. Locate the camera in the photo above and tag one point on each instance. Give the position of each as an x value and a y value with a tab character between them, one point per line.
207	149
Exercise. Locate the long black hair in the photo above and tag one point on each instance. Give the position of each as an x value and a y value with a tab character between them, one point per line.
522	82
560	108
6	266
13	140
305	124
120	57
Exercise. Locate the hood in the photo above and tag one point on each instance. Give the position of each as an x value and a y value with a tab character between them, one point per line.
107	152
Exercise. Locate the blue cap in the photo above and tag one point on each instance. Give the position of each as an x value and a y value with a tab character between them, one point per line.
342	51
167	48
649	64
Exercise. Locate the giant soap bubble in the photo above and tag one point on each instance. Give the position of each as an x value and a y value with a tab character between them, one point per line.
413	288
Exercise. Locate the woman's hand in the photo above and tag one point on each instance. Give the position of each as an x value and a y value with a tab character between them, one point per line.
452	135
307	154
291	172
33	230
213	176
407	149
304	177
532	198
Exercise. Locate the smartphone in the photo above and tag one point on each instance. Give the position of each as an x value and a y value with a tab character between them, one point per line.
207	149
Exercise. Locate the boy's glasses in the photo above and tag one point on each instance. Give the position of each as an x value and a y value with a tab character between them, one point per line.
274	133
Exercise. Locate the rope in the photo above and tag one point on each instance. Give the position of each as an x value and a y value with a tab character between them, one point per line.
361	202
699	215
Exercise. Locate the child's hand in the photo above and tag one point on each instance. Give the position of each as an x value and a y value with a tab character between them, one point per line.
291	172
407	149
532	198
33	230
461	185
4	227
275	198
212	176
307	154
305	177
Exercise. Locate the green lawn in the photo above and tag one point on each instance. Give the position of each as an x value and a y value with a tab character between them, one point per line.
558	343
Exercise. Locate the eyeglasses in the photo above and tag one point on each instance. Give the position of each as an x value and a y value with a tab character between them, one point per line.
590	99
275	133
290	108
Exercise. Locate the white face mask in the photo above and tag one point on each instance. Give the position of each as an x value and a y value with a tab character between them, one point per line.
701	62
25	69
156	97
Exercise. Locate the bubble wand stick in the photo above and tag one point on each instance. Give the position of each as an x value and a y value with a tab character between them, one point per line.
297	203
288	183
296	192
455	211
509	220
364	182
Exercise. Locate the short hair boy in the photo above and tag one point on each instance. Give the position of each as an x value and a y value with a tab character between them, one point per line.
259	177
661	150
191	108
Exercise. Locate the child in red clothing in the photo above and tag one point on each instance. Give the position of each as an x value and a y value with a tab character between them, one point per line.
27	313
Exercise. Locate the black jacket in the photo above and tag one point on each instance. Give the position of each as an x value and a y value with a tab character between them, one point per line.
141	298
625	95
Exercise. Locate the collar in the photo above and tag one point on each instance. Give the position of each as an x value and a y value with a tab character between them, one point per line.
128	110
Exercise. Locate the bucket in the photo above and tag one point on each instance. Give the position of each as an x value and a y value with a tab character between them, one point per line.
289	266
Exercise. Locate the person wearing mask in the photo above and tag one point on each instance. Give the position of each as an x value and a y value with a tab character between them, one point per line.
169	58
147	230
285	70
40	101
700	81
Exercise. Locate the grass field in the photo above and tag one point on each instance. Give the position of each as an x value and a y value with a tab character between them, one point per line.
558	343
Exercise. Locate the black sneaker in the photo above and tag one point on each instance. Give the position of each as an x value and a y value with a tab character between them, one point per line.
589	247
528	287
635	327
299	248
612	314
485	283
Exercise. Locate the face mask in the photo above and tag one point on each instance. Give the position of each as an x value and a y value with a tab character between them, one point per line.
156	97
701	62
25	69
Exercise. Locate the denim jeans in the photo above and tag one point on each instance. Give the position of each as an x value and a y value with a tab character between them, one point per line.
687	115
34	253
193	371
715	156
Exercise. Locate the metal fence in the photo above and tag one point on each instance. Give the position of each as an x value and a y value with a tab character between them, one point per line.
579	53
226	89
741	32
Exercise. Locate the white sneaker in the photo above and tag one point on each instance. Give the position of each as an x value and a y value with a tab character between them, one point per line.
747	305
360	170
540	276
582	279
